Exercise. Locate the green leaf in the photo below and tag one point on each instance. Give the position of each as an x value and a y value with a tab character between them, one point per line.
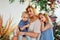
11	1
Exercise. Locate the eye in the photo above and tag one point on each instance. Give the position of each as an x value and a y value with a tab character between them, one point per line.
25	17
29	11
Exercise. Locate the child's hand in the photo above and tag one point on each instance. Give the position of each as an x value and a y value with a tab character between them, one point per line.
26	26
42	23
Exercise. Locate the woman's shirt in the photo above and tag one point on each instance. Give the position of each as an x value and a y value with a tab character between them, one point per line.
35	27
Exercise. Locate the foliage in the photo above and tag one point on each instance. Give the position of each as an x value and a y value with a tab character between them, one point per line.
41	3
57	32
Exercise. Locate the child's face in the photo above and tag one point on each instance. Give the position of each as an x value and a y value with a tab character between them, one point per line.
25	17
42	18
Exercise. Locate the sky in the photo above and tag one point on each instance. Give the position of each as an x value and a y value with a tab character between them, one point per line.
15	10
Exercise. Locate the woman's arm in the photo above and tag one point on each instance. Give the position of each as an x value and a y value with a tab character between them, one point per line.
36	30
32	34
45	27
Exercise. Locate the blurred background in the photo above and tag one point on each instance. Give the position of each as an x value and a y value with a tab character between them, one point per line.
14	8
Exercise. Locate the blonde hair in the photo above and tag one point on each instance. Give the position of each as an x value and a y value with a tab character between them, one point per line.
34	9
25	13
46	16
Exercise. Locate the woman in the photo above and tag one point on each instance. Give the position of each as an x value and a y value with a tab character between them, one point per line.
47	27
34	28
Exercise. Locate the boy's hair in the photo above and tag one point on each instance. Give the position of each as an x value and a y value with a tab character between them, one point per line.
23	13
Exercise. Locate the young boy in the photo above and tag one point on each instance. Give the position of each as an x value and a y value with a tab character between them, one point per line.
23	25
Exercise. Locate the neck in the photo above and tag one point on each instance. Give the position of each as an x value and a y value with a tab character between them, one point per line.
33	18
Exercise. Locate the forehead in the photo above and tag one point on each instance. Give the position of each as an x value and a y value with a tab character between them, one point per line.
41	15
25	15
30	8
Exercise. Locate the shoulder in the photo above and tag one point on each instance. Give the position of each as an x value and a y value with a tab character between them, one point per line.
51	24
21	22
37	26
37	21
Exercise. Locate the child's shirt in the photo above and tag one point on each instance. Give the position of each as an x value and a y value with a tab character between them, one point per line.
23	23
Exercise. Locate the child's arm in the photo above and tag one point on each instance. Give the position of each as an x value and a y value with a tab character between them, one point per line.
24	27
45	27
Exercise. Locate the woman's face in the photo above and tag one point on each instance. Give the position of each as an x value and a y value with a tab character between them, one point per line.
42	18
30	12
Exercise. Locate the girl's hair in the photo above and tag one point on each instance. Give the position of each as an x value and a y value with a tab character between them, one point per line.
46	16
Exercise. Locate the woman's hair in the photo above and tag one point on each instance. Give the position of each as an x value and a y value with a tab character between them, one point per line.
46	16
29	7
34	9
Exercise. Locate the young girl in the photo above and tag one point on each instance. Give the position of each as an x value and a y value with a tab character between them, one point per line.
47	27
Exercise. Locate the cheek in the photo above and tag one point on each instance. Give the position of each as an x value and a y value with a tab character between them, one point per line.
23	18
31	14
44	19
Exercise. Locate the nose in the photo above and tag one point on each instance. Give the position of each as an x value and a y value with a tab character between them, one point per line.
29	13
41	19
